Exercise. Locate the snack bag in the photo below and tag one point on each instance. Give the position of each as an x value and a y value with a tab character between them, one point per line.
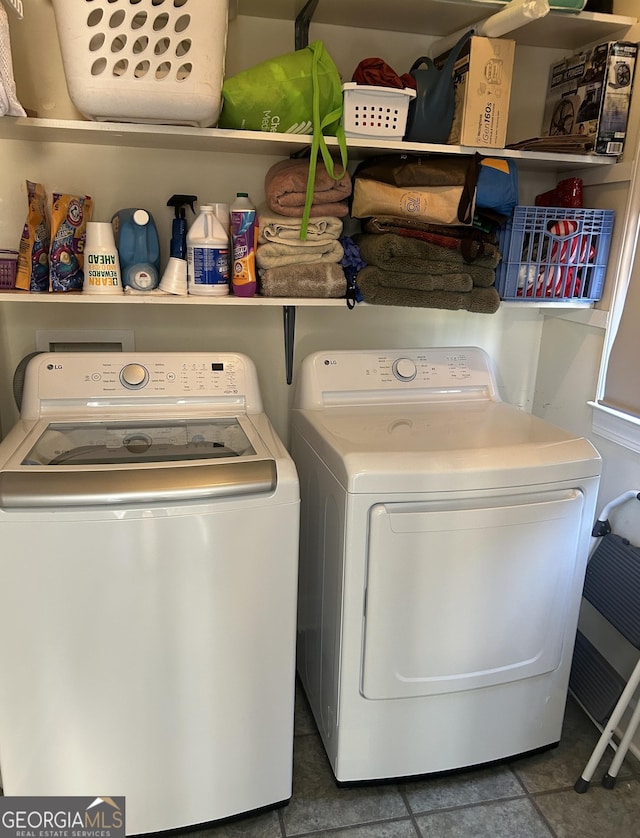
32	271
69	216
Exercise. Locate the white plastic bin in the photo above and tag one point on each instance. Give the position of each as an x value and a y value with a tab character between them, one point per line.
153	61
375	112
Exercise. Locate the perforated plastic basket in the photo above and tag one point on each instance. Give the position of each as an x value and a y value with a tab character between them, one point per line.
370	111
553	253
8	262
155	61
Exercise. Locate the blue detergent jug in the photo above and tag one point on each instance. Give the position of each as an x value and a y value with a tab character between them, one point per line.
138	248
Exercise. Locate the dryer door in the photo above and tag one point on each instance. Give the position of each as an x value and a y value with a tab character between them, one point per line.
469	595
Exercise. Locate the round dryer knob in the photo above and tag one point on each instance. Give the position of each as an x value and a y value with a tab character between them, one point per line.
404	369
134	376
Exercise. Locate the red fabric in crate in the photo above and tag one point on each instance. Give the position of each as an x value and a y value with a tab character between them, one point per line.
376	72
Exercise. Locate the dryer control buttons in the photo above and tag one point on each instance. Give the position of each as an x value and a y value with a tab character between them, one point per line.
134	376
404	369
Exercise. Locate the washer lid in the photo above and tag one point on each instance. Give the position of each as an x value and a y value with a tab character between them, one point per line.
142	441
82	463
443	447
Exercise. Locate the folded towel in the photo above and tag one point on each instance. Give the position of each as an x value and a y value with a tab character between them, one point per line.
285	188
477	300
407	255
275	254
425	281
470	242
279	228
317	279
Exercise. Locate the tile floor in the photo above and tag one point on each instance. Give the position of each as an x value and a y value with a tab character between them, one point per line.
531	797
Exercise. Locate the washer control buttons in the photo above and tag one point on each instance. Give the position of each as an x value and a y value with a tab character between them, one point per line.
404	369
134	376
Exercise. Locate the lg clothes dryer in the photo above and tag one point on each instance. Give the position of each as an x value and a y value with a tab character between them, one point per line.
444	538
148	581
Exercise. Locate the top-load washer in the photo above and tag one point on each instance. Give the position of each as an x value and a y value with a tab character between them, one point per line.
443	543
148	581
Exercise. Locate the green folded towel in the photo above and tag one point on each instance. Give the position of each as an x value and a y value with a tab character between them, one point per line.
408	255
425	281
372	281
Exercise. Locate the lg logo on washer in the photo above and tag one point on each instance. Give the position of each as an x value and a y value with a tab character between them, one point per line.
54	366
328	362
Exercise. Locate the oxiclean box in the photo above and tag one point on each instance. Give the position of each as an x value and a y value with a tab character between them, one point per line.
482	79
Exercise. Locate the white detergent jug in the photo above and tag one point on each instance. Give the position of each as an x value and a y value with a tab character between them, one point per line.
207	255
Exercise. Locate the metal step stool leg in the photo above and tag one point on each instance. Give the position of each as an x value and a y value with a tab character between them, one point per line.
582	784
609	779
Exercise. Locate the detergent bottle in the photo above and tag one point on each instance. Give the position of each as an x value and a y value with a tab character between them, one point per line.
207	255
138	246
244	235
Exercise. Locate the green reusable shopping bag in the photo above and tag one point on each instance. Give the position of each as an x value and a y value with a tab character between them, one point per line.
296	93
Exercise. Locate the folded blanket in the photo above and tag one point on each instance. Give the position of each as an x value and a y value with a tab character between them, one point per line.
279	228
477	300
285	187
275	254
470	242
407	255
425	281
317	279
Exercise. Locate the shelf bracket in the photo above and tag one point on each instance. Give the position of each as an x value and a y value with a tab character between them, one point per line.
289	318
303	21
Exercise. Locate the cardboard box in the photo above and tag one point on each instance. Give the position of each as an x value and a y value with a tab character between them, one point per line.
589	93
482	78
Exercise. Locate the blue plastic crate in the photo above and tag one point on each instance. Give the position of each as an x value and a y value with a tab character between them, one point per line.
554	253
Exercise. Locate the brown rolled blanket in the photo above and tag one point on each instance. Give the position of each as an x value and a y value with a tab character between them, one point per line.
316	279
285	189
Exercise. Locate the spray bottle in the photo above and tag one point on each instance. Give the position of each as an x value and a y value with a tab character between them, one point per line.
178	244
207	255
244	234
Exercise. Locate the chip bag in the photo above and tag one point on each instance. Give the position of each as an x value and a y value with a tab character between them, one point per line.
32	270
69	216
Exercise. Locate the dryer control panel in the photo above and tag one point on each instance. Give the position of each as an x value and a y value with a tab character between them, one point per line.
129	378
359	377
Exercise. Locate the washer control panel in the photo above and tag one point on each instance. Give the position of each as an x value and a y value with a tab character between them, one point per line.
353	376
126	377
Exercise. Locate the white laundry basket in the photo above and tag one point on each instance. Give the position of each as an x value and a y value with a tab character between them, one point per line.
153	61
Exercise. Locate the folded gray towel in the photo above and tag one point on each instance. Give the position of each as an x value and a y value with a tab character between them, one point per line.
426	281
316	279
275	254
477	300
408	255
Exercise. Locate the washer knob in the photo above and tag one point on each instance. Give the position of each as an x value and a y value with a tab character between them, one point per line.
404	369
134	376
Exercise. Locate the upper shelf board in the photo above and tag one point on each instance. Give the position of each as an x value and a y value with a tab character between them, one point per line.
220	140
561	30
